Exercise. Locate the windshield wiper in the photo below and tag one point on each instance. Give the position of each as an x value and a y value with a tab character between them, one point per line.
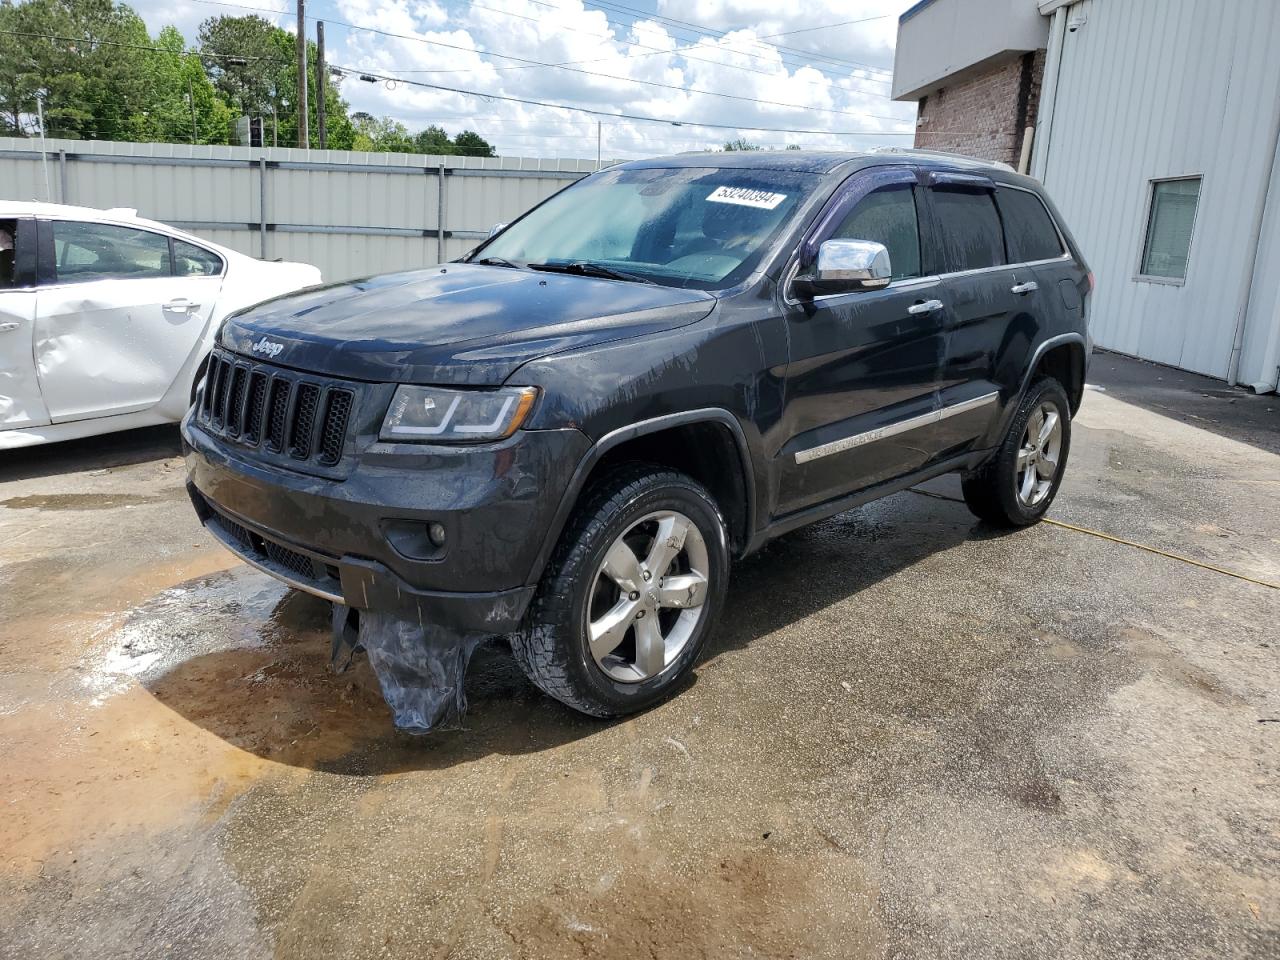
499	262
587	269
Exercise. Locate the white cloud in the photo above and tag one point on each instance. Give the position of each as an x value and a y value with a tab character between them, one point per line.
813	83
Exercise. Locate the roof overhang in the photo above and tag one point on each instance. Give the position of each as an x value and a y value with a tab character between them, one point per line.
942	41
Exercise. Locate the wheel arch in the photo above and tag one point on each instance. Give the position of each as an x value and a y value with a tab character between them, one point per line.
693	442
1064	358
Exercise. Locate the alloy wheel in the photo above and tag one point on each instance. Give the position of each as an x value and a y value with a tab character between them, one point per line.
648	596
1038	454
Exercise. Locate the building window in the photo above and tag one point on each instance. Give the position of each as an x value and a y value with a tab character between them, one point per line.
1169	220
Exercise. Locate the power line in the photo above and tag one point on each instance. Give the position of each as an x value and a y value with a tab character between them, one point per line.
621	116
678	51
533	64
681	52
719	34
135	46
825	26
607	76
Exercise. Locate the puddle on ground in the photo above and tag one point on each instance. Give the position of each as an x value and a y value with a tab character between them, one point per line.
79	501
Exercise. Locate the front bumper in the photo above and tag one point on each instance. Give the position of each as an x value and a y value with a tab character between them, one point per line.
361	540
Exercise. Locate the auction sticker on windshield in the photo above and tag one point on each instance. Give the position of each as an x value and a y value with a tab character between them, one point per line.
746	197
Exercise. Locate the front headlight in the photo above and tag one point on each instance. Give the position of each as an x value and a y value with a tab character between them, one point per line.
437	415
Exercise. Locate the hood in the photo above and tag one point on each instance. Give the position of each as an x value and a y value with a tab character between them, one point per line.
460	323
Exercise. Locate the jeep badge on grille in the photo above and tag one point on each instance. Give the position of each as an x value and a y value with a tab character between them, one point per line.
268	348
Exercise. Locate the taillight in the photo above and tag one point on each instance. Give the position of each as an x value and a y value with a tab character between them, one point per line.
1092	284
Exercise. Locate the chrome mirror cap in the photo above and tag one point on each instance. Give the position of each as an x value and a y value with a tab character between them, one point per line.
853	264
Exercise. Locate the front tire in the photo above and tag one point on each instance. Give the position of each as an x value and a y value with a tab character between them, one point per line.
631	594
1016	486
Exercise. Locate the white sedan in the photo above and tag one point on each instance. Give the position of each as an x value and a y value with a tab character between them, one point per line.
106	319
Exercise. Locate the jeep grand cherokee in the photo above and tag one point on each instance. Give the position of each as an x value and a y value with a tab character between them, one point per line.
567	436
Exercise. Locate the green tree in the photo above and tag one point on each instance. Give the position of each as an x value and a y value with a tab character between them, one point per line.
246	62
471	144
434	140
83	58
184	106
741	143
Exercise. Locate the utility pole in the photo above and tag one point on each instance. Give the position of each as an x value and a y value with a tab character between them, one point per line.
304	133
321	80
44	153
598	138
191	99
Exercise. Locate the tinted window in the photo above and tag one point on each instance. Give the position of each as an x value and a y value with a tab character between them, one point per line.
970	228
887	216
192	261
97	251
8	238
1028	229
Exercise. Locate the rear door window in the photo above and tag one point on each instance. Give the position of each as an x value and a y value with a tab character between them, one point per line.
1028	228
887	216
100	251
969	229
8	253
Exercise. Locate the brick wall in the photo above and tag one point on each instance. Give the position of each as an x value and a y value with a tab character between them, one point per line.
984	115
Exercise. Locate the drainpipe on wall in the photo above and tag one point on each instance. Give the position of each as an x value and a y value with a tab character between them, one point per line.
1048	93
1270	201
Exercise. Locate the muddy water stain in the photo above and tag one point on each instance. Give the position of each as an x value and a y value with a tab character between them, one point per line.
176	709
80	501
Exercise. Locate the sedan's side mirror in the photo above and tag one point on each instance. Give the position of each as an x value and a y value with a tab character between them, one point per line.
496	229
844	266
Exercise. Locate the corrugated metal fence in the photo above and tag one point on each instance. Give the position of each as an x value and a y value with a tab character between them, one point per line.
350	214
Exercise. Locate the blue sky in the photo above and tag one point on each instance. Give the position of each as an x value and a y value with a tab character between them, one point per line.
751	63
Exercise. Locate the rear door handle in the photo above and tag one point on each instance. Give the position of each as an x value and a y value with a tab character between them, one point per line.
6	327
924	306
1027	287
182	305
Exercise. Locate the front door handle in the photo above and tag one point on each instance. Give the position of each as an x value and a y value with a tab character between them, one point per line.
6	327
924	306
1027	287
182	305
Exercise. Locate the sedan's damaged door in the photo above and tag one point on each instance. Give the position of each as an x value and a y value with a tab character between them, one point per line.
114	325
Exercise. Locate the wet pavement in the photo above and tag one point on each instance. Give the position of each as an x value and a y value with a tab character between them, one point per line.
911	737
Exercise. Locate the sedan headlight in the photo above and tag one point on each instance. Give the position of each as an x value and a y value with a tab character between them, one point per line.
436	415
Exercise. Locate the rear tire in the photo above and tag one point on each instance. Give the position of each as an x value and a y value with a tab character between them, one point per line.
630	595
1017	484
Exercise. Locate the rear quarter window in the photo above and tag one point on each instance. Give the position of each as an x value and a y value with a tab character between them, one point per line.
1028	228
969	229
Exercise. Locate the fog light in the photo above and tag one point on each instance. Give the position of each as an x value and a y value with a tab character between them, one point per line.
436	532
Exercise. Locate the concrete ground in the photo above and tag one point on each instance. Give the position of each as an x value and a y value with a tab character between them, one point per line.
911	737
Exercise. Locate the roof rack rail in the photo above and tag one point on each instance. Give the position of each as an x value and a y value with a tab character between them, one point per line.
943	155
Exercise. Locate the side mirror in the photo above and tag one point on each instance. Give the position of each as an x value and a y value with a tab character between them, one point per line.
844	266
496	229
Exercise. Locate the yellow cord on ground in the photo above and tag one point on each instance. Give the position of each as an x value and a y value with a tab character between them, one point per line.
1129	543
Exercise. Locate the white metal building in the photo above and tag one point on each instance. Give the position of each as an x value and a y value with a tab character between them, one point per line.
1156	134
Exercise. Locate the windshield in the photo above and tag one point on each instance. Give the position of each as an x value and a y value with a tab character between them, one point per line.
700	227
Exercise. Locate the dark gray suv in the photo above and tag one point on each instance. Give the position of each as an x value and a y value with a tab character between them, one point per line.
567	436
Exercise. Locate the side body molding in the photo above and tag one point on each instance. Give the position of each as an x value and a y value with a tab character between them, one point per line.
630	432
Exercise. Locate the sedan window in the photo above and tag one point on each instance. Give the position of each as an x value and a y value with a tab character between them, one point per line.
99	251
192	261
8	236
